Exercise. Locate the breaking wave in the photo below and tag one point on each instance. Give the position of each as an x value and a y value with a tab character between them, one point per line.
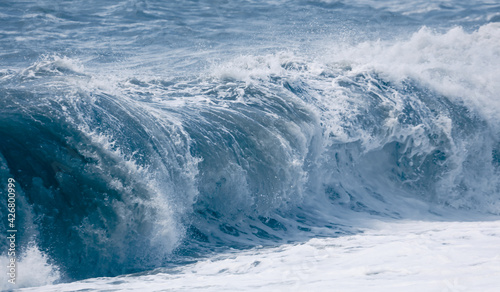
119	174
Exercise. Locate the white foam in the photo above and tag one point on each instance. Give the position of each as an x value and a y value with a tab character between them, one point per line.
249	68
53	64
389	256
33	269
460	65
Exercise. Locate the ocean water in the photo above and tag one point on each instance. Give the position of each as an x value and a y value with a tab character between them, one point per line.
251	145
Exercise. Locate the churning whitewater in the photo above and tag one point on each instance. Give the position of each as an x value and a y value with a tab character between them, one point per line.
251	145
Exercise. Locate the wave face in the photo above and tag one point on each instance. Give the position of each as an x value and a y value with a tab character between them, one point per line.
184	132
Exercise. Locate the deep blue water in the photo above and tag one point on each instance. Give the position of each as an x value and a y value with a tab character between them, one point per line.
147	133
